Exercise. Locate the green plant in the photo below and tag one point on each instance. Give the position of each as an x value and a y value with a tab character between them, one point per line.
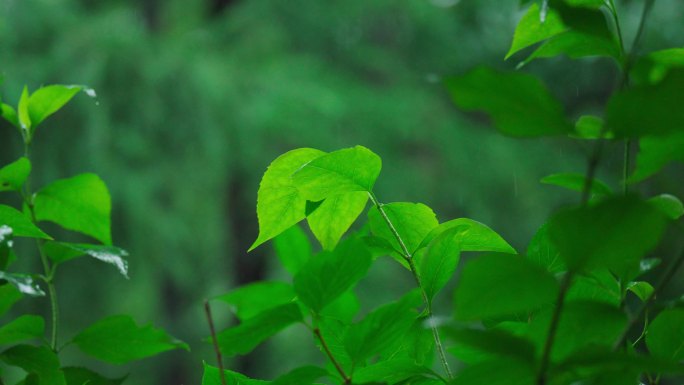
80	204
564	312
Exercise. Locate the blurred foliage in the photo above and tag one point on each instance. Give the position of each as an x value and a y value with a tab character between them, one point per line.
195	99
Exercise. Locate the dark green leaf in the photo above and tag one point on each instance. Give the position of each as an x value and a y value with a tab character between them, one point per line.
518	104
391	371
61	252
597	286
279	203
21	224
544	253
652	68
472	236
655	152
305	375
48	100
246	336
23	282
252	299
13	176
118	340
341	171
212	376
665	337
501	285
80	203
614	234
489	344
413	221
293	249
9	295
334	217
669	205
575	182
26	327
83	376
496	372
329	274
38	360
438	262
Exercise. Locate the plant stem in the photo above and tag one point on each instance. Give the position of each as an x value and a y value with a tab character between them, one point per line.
212	330
340	370
406	254
626	166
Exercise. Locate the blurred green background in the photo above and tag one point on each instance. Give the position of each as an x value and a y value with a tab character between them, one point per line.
195	98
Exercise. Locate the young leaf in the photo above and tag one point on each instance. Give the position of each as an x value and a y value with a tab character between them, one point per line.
613	234
544	253
118	340
20	224
47	100
243	338
26	327
334	217
293	249
38	360
341	171
23	115
24	283
13	176
83	376
329	274
574	181
61	252
438	262
279	203
641	289
531	29
665	337
9	295
518	104
391	371
472	236
590	127
212	376
255	298
655	152
413	221
80	203
668	204
9	114
305	375
382	328
498	285
648	109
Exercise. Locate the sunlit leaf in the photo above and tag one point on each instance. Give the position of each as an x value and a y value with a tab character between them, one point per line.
413	221
641	289
61	252
47	100
575	182
118	340
23	282
334	217
212	376
252	299
20	224
279	203
80	203
531	29
342	171
438	262
518	104
13	176
472	236
9	114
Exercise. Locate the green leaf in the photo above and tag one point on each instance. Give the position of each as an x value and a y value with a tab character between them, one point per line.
665	337
13	176
47	100
334	331
614	234
652	68
544	253
344	308
23	282
38	360
413	221
255	298
118	340
641	289
212	376
334	217
574	181
668	204
391	371
531	29
80	203
382	329
20	224
518	104
26	327
9	114
596	286
648	109
472	236
243	338
500	285
279	203
489	344
329	274
655	152
342	171
590	127
304	375
9	295
293	249
83	376
61	252
438	263
496	372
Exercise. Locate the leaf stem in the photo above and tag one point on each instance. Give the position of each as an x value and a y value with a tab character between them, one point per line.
553	328
212	330
340	370
406	254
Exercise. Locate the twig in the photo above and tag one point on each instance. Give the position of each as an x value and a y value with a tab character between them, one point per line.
340	370
212	330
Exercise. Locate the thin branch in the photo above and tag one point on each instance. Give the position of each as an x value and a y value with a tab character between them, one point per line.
406	254
340	370
553	328
212	330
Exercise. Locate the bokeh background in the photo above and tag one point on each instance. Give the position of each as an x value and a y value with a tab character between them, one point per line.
195	98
